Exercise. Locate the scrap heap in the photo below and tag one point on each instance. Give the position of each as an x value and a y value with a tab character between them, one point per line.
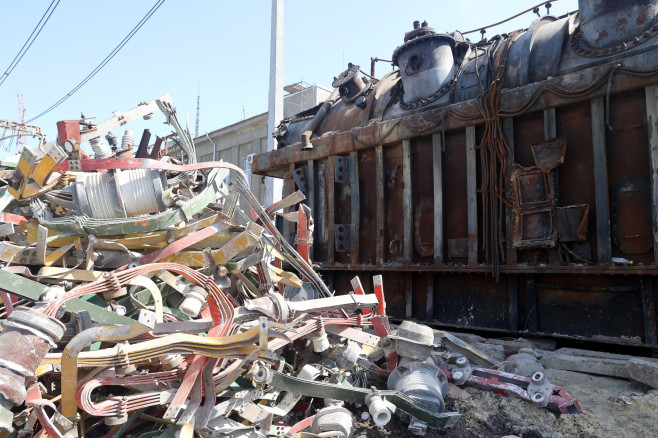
145	295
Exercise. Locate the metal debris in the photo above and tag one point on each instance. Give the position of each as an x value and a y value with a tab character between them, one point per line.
150	297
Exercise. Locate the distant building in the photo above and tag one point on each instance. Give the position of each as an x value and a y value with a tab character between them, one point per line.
234	143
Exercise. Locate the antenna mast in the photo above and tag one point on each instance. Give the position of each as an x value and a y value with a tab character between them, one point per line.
21	119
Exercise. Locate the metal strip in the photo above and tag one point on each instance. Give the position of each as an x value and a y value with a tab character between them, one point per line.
513	303
288	188
471	194
437	172
603	243
407	201
531	291
649	312
508	133
550	132
429	305
26	288
355	206
310	183
651	96
358	395
331	205
408	290
381	205
550	128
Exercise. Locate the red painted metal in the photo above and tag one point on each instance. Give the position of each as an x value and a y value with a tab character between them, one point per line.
68	129
511	385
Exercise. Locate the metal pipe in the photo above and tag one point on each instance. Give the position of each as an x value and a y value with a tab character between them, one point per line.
319	116
214	146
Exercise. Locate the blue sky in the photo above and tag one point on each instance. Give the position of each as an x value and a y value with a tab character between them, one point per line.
221	47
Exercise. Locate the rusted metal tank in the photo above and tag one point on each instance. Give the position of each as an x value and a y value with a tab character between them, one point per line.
508	185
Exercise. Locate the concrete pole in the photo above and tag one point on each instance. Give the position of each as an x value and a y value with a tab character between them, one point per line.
273	186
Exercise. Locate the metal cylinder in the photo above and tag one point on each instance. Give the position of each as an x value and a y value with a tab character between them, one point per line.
120	193
25	339
427	64
333	419
423	382
605	23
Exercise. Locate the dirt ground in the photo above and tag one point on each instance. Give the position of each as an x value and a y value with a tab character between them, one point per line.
610	408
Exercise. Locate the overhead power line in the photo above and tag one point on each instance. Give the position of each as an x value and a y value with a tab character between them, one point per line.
33	36
104	62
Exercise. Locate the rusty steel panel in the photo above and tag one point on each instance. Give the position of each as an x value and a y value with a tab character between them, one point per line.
629	177
455	206
423	199
471	300
367	207
576	175
394	195
585	305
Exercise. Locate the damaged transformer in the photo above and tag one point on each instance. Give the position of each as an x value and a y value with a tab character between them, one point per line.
507	184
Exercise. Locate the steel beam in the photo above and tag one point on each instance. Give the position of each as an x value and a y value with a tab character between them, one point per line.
471	196
603	243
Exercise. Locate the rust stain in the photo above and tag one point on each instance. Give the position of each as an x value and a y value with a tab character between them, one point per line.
602	34
641	17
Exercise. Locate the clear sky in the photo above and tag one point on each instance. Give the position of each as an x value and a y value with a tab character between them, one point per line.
219	47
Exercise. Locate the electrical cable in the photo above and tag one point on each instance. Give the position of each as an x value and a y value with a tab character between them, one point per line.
510	18
28	43
103	63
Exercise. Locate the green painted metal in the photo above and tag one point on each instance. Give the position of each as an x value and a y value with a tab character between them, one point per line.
143	224
401	401
26	288
7	201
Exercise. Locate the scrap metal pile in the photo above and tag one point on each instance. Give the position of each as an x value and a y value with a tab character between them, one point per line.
146	296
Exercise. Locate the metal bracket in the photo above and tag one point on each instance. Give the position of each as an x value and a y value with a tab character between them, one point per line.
299	175
344	170
343	237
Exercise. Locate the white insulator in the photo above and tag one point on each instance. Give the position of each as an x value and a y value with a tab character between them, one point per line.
101	150
127	141
320	341
99	196
137	191
381	415
119	193
193	302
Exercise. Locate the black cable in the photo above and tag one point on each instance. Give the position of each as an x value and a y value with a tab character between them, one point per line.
104	62
26	46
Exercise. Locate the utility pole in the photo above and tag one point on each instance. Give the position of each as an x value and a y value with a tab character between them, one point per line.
273	186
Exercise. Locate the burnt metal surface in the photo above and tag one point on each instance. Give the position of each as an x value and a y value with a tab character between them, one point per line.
576	210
